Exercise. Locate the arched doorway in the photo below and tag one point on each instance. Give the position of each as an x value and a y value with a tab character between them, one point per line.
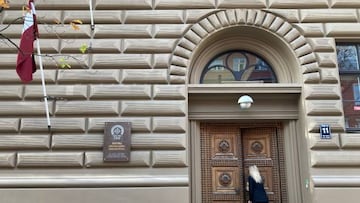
266	134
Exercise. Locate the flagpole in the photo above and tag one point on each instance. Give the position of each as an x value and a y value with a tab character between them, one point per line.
42	76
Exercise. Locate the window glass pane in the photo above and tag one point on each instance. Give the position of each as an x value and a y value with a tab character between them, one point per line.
215	75
236	66
347	58
350	90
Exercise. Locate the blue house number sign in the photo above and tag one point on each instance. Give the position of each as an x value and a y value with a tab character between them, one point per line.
325	132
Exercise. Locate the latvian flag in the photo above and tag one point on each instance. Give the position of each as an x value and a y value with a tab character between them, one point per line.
25	65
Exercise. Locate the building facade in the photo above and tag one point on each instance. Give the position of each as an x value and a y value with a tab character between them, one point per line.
175	70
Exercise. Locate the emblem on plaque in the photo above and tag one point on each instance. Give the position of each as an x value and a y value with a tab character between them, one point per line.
117	140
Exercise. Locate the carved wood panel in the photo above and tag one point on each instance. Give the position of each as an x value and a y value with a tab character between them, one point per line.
227	150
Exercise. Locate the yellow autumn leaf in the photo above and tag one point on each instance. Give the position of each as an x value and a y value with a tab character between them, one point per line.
4	4
75	24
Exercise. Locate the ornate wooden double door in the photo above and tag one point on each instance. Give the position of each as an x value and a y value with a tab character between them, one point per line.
227	151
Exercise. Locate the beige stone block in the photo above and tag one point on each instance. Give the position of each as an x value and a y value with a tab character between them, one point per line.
154	16
49	76
42	16
187	44
87	108
182	52
58	124
328	15
73	60
123	4
349	158
89	76
162	61
182	4
120	91
121	61
329	75
24	142
153	108
76	141
317	143
350	140
177	70
130	189
298	4
291	15
336	123
8	61
251	16
285	28
242	4
66	4
241	15
137	159
145	76
339	192
50	159
169	124
158	141
323	91
299	42
199	30
46	45
327	59
176	79
344	4
292	35
61	31
13	31
21	108
206	25
311	29
269	18
170	92
308	59
195	15
138	124
149	46
324	107
260	16
170	30
179	61
193	37
214	20
342	29
122	31
97	45
231	16
275	25
100	16
311	77
9	124
169	159
304	50
310	68
7	159
58	91
222	18
11	91
323	44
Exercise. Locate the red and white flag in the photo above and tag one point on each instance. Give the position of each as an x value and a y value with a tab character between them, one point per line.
25	65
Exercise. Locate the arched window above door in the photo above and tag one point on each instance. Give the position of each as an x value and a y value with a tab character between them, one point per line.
235	67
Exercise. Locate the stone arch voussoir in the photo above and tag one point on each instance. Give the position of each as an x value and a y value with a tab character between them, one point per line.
306	57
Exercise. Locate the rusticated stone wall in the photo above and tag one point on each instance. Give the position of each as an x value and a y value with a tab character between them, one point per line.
137	71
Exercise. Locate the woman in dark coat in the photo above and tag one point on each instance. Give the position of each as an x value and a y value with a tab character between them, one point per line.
257	192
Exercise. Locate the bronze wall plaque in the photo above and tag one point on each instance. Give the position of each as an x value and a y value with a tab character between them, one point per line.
117	140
